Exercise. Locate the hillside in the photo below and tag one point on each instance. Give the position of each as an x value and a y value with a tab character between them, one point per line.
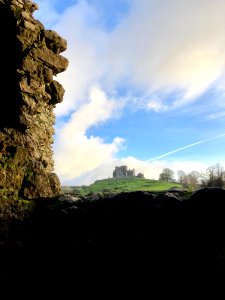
121	185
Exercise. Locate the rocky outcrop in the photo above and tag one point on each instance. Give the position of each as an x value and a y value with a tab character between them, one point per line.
30	57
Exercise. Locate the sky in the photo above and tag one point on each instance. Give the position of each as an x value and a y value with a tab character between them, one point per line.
145	86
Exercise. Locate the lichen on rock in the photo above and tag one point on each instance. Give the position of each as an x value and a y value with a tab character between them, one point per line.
30	57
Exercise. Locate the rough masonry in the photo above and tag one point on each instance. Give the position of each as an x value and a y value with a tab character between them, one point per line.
30	57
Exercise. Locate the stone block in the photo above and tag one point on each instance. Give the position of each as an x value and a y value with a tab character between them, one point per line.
54	41
55	62
56	90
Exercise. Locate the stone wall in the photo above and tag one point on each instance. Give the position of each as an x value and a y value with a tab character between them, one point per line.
29	59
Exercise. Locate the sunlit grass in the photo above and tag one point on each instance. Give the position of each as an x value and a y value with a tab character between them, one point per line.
124	185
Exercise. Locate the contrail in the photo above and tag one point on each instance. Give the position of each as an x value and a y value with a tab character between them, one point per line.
185	147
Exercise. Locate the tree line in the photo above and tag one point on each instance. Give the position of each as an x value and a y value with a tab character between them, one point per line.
214	176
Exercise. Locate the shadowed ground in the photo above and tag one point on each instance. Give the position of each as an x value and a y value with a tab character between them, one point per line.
141	238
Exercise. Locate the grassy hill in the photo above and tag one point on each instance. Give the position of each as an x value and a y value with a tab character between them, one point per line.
122	185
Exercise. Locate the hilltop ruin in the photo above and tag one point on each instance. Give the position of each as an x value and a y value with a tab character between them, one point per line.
123	171
30	57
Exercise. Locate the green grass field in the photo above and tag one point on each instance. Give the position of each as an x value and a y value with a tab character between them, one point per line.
123	185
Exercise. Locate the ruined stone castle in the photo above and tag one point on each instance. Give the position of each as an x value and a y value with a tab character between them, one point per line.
30	57
123	171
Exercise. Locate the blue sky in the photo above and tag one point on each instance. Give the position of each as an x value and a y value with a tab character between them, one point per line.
145	78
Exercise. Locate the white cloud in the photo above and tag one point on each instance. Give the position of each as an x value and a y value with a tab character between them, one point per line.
172	45
47	13
98	110
85	43
75	152
156	104
82	155
160	47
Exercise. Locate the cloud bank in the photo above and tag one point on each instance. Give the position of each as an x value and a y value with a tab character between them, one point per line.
75	152
159	48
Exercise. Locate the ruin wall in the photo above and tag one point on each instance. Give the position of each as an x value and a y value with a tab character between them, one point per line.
30	57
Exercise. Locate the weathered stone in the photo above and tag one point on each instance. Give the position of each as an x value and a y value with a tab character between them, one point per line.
29	94
30	103
45	97
36	70
31	87
2	178
12	166
30	26
54	41
56	90
17	3
53	61
30	5
26	15
20	1
28	37
41	185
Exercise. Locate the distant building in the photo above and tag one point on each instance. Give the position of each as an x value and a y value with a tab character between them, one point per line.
123	171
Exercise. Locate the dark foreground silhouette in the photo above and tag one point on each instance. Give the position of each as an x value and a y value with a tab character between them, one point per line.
131	240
